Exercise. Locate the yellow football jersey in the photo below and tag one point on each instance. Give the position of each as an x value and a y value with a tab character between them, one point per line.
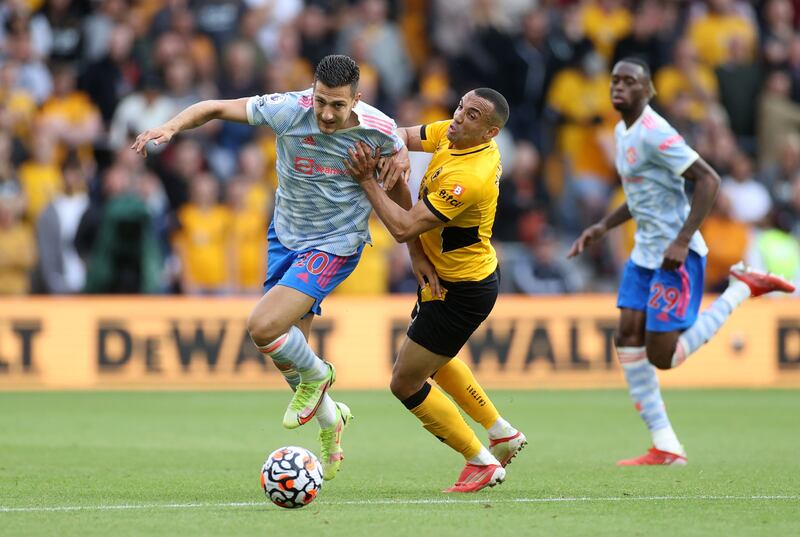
461	187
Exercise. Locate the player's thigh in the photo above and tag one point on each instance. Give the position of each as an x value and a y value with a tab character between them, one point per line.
412	368
632	298
630	332
276	312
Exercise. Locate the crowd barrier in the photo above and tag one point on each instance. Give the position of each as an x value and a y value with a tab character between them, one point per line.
202	343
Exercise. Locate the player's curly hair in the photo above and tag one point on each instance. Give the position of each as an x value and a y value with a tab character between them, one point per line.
337	70
500	113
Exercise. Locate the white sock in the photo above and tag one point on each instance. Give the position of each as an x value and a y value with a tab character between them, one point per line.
710	321
501	429
645	392
326	413
483	458
293	348
667	440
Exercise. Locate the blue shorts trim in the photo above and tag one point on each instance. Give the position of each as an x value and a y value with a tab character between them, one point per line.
670	298
312	272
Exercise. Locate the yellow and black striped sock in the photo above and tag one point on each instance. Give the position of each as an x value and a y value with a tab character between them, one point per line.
441	418
456	378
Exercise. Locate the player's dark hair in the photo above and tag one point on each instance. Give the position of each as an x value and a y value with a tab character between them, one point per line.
337	70
640	62
500	114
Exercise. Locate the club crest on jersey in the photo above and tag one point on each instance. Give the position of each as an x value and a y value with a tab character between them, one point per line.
630	155
436	174
308	140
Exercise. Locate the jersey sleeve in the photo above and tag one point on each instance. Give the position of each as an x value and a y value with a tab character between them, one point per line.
431	134
669	150
454	194
275	110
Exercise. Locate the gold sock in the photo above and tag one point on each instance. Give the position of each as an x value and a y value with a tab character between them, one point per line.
456	378
441	418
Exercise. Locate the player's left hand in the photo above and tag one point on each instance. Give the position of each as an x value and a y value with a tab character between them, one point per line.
363	162
398	166
675	255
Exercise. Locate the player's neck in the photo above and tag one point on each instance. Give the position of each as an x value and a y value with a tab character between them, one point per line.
630	116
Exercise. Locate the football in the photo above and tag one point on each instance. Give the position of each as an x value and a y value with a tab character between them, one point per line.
291	477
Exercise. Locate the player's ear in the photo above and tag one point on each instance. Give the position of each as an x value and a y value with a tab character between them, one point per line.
357	98
491	132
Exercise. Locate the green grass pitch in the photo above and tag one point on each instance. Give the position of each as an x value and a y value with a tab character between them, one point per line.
187	463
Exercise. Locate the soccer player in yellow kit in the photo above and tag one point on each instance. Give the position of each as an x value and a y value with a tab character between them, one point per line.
448	233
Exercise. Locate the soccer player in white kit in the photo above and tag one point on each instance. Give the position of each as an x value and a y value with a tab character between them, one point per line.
320	223
662	283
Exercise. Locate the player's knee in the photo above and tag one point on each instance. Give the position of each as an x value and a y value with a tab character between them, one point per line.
401	387
659	358
263	330
628	339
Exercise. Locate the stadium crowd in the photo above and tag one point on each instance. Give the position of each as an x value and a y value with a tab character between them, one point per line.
82	213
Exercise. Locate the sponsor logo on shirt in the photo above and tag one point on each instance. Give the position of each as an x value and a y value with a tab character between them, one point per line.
304	165
450	199
458	190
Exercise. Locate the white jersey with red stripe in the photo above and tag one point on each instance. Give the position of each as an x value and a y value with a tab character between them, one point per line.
317	204
651	157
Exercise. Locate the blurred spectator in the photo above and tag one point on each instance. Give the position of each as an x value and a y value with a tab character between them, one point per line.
32	75
18	16
605	22
621	238
580	105
686	77
778	117
778	177
384	44
177	166
40	176
139	111
123	252
316	27
521	193
70	116
60	269
776	250
542	269
530	79
98	27
247	238
739	81
218	19
778	31
17	106
727	240
114	74
750	201
712	32
180	82
270	17
64	17
644	38
201	241
17	245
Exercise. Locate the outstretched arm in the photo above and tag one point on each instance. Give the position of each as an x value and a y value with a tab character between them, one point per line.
619	216
191	117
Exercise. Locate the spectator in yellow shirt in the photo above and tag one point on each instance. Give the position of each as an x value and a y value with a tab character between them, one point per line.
605	22
71	116
17	244
712	32
687	77
247	239
40	176
202	239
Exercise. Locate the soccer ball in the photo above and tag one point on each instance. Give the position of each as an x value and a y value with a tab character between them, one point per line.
291	477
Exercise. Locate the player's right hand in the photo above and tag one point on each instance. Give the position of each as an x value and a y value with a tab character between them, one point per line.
159	135
589	235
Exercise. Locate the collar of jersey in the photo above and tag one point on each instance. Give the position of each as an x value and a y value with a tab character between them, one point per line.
638	120
470	150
